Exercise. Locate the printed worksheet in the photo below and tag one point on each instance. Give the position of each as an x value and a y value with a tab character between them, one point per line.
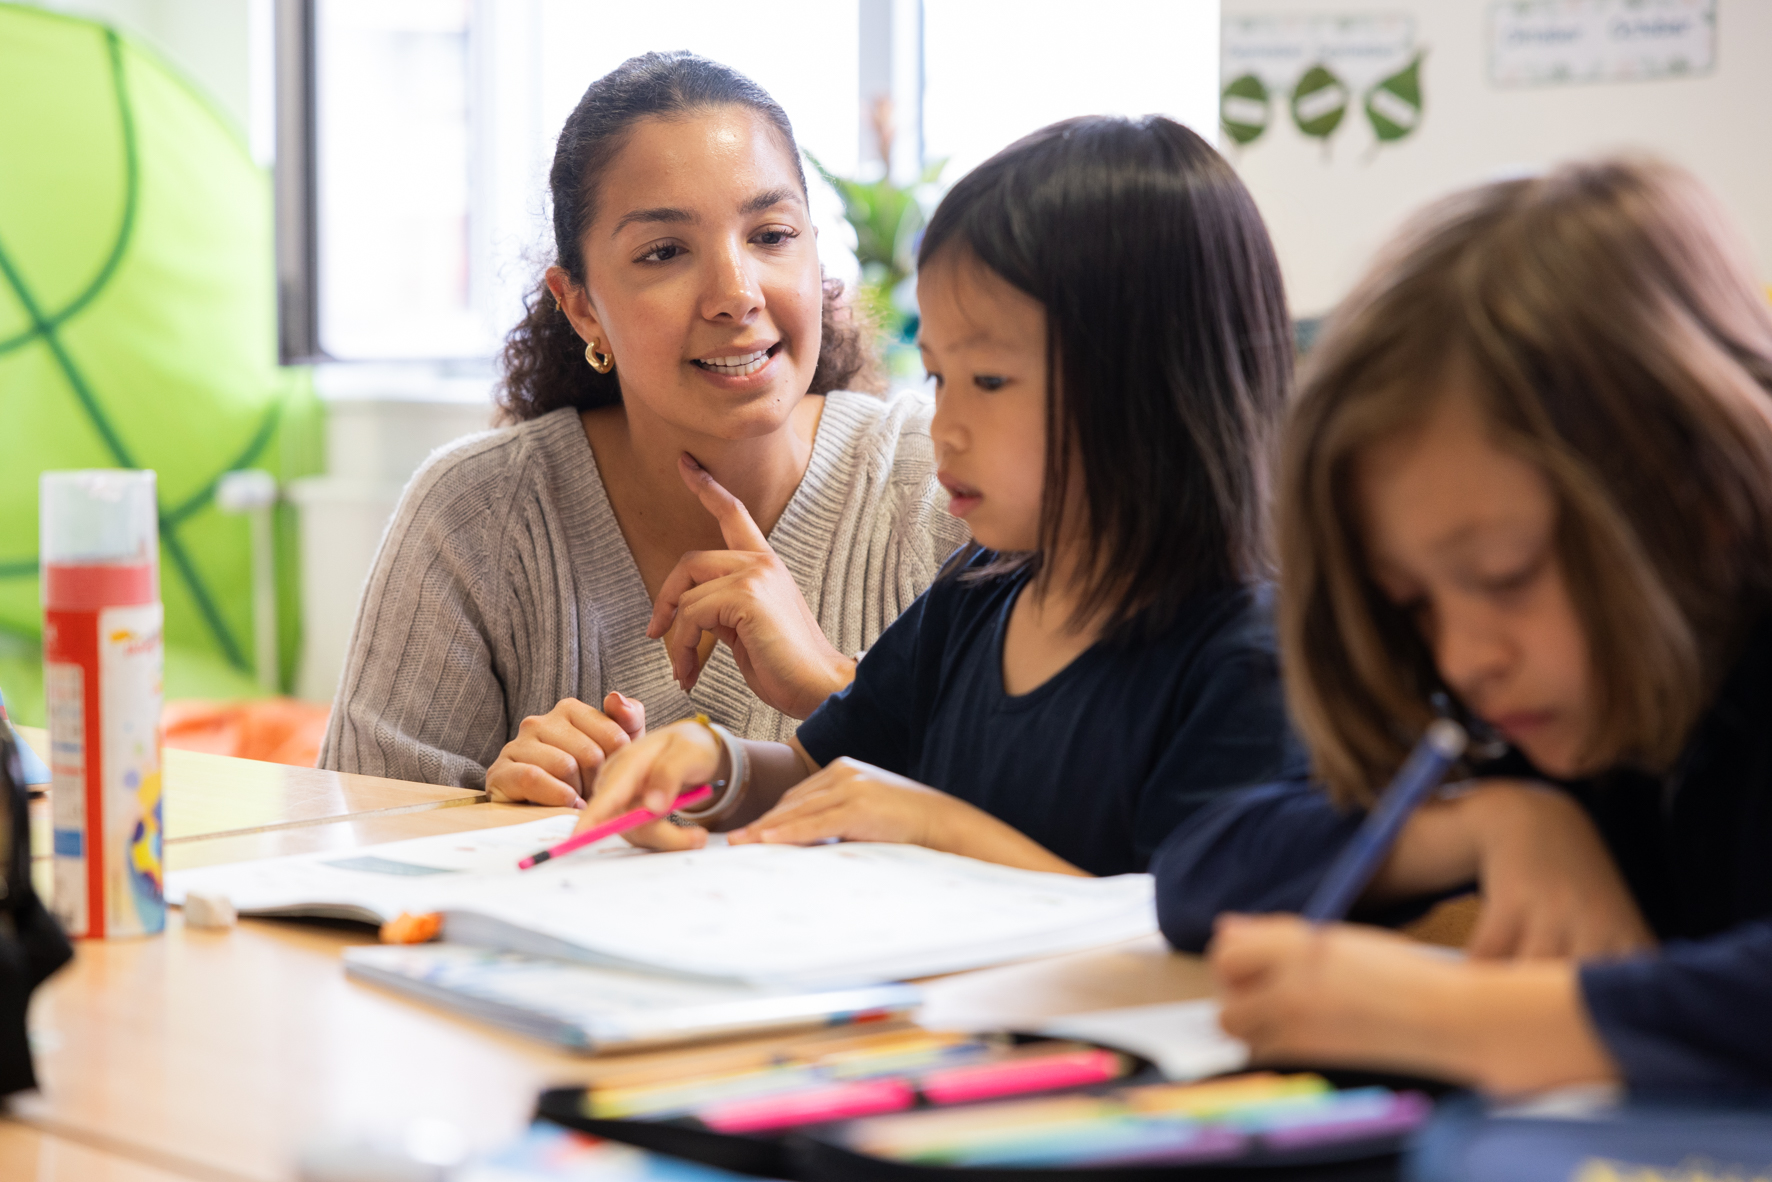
778	916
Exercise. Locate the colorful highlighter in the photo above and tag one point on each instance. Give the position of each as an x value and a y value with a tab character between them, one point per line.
1158	1124
840	1101
1047	1073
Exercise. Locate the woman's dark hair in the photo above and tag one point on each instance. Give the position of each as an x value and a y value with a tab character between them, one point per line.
1168	348
544	361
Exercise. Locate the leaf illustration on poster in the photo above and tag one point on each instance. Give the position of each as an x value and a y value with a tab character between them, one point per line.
1393	105
1319	102
1318	66
1245	108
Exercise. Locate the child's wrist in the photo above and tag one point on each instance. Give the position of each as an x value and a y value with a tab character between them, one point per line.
1519	1026
1439	849
1497	812
729	772
1478	821
1444	1011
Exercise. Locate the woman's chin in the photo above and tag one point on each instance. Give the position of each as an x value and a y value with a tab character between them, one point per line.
723	413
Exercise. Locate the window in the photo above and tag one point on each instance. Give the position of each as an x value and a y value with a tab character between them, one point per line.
433	129
393	181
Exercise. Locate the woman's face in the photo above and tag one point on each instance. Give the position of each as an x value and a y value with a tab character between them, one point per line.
1462	536
984	344
702	274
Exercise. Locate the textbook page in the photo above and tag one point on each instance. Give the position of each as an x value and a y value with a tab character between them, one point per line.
783	917
374	884
851	913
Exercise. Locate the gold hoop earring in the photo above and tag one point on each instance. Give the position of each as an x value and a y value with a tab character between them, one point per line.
601	362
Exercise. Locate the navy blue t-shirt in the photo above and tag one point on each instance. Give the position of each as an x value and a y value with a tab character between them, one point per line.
1692	846
1102	761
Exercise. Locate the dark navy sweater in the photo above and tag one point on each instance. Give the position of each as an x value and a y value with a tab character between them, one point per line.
1695	847
1101	762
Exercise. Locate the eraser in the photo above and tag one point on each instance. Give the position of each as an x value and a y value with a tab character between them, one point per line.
208	909
407	928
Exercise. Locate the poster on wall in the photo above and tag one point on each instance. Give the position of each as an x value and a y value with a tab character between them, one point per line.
1317	69
1557	42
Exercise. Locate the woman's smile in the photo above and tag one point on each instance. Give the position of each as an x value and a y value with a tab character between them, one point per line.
740	368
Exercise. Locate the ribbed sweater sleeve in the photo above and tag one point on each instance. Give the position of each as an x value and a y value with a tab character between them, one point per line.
458	596
503	584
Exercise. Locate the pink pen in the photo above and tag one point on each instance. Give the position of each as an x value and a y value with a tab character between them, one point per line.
621	824
809	1106
988	1081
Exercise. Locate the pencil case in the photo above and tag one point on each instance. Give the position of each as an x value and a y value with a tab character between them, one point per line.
1379	1116
729	1137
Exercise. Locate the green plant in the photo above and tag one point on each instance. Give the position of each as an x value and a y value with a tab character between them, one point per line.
886	217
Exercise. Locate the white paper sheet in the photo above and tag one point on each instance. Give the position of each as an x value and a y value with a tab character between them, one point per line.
775	916
1182	1038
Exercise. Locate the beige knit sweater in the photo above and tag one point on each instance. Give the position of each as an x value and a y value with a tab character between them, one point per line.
503	584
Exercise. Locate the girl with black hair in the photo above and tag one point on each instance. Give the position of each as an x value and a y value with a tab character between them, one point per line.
1103	317
689	463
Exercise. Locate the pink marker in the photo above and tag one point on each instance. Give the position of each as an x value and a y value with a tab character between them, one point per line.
621	824
988	1081
809	1106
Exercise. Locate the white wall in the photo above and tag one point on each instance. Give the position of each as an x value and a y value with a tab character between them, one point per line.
1328	213
995	71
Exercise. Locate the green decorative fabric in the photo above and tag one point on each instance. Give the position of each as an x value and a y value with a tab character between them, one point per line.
138	321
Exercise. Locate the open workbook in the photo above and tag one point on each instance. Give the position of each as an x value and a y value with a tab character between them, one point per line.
781	917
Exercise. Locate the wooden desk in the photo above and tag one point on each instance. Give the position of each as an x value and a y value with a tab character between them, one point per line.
206	795
218	1055
26	1154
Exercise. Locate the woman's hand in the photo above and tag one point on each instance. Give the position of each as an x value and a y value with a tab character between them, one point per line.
651	773
1344	995
555	757
853	801
745	596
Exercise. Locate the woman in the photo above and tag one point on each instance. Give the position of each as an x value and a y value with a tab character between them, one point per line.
685	465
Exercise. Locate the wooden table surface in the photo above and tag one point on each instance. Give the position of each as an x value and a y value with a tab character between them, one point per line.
205	795
27	1155
220	1055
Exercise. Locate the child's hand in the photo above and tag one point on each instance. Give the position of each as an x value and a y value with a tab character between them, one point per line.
1550	888
650	773
855	801
1345	995
1339	994
745	596
555	756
